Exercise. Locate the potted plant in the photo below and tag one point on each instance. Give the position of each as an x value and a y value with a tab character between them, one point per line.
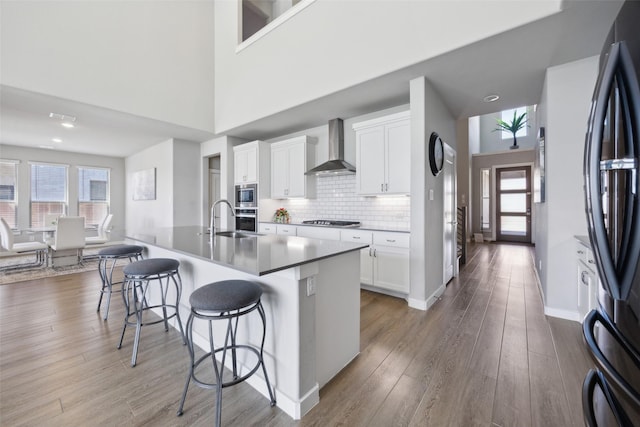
517	123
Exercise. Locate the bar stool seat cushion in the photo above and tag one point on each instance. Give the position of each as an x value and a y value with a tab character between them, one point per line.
119	250
225	295
149	266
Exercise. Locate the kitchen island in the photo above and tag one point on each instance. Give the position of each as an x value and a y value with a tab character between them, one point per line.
311	296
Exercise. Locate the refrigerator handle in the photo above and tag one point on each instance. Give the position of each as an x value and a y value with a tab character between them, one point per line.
604	363
596	378
616	275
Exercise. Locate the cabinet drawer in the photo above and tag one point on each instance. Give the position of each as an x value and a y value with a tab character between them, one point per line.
287	229
323	233
267	228
397	240
358	236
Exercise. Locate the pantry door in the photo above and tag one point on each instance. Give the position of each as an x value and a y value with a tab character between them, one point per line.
513	204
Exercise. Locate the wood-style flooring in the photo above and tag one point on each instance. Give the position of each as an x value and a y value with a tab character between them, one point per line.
484	354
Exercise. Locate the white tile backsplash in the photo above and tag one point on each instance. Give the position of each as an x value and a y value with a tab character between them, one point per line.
337	199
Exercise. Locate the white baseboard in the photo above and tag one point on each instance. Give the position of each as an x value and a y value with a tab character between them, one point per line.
424	305
563	314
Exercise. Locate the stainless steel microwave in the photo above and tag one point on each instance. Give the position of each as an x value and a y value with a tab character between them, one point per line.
247	196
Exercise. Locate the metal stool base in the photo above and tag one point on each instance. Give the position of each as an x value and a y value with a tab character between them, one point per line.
136	288
229	345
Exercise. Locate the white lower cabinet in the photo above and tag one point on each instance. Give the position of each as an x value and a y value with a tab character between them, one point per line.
267	228
324	233
385	264
289	230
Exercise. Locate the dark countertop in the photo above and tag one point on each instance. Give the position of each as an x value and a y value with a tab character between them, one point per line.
259	255
584	240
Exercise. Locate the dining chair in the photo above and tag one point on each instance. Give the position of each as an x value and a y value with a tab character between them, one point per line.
38	248
69	235
103	232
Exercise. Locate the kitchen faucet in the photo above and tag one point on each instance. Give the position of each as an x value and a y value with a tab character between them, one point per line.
212	227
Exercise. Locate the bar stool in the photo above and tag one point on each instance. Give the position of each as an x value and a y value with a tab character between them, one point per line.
224	300
135	291
107	259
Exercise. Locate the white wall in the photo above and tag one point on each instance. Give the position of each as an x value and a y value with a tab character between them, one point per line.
566	101
149	58
25	155
333	45
187	192
178	188
428	114
150	214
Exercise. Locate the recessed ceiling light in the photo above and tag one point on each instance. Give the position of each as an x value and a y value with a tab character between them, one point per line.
68	125
56	140
491	98
48	147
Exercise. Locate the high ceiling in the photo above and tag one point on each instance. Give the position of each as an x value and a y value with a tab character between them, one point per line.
511	64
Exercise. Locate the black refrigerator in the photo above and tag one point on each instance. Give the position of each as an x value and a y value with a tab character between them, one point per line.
611	390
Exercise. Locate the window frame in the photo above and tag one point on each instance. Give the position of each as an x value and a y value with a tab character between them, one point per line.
14	222
65	203
507	116
91	221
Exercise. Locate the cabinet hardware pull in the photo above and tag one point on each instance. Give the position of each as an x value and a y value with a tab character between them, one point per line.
590	261
386	187
381	187
581	252
374	253
391	240
369	250
356	237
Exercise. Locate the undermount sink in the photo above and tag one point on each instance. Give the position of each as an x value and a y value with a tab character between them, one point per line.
234	234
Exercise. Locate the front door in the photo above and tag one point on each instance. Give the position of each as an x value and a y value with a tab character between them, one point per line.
513	204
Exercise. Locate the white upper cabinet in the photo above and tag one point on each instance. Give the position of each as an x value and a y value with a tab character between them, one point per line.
383	155
246	163
290	159
251	166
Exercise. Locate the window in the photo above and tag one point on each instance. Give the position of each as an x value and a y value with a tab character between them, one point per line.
507	116
93	194
48	192
9	191
267	14
485	191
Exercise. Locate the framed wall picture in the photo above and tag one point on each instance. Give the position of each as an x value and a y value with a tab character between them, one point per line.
144	184
539	169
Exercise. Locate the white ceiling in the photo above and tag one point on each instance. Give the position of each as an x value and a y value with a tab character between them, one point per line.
511	64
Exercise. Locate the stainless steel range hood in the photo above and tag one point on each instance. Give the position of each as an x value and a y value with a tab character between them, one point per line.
336	164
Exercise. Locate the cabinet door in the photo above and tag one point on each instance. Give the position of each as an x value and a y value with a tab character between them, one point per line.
391	268
240	166
366	266
279	172
370	160
398	154
297	168
246	165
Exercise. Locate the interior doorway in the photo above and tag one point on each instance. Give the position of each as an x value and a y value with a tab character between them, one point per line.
215	186
513	204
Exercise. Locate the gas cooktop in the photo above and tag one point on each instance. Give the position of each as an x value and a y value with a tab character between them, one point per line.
332	223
